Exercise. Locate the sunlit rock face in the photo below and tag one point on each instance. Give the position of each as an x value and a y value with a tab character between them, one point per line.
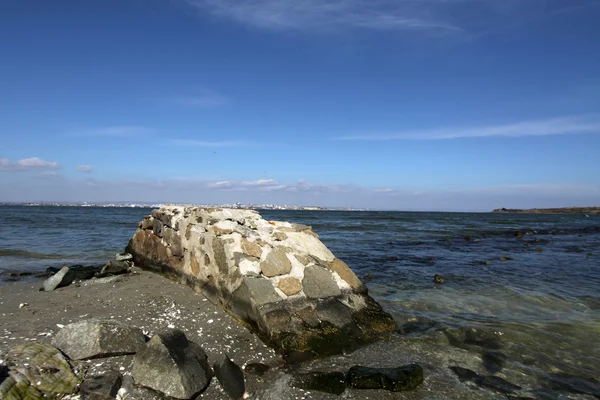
275	277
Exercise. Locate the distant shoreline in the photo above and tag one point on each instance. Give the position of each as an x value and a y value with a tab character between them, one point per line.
562	210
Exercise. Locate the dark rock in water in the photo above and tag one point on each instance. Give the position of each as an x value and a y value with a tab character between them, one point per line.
17	387
64	277
408	377
297	357
3	372
44	366
328	382
114	267
482	338
487	262
468	238
101	387
574	384
438	279
256	368
19	274
505	258
123	257
98	338
519	234
494	361
52	270
173	365
85	272
419	326
491	382
231	377
368	277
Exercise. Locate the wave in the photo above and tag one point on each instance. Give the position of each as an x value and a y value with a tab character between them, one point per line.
29	254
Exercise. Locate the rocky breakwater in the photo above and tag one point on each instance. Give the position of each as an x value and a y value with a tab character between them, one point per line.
276	278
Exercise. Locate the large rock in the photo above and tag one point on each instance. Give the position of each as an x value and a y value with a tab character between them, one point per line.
276	278
101	387
18	387
45	366
171	364
231	377
64	277
98	338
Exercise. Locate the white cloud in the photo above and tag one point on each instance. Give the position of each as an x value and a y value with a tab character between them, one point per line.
25	164
555	126
204	143
311	15
115	131
85	168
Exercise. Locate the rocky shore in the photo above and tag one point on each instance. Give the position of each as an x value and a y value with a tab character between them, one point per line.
562	210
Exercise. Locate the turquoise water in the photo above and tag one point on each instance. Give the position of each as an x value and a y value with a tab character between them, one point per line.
525	307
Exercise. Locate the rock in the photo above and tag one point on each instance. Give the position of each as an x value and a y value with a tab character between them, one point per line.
101	387
408	377
290	286
342	269
85	272
147	223
505	258
64	277
45	366
276	263
297	357
17	387
157	227
253	249
231	377
258	369
491	382
114	267
368	277
438	279
171	364
319	283
123	257
108	279
98	338
328	382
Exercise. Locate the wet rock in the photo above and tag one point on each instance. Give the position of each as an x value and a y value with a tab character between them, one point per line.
297	357
45	366
417	326
438	279
231	377
101	387
64	277
258	369
368	277
114	267
85	272
487	262
490	382
328	382
404	378
574	384
494	361
123	257
506	258
19	274
485	339
319	283
171	364
17	387
98	338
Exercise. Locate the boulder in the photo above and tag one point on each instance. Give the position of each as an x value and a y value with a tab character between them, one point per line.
101	387
64	277
98	338
319	283
399	379
45	366
276	263
17	387
114	267
231	377
171	364
328	382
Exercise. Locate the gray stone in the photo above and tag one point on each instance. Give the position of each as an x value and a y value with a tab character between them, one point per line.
408	377
173	238
101	387
276	263
220	256
260	290
123	257
64	277
319	283
171	364
157	227
98	338
46	367
114	267
231	377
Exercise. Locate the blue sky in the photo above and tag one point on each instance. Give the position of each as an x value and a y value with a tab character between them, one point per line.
393	104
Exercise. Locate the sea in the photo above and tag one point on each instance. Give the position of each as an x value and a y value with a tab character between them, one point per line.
521	291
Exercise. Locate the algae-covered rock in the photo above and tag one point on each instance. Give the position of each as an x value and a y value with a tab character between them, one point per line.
45	366
399	379
17	387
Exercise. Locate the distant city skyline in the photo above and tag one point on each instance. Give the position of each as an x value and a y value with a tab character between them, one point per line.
459	105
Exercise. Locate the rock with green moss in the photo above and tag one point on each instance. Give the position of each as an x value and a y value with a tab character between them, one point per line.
17	387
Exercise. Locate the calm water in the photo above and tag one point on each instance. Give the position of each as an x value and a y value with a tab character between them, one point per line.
536	314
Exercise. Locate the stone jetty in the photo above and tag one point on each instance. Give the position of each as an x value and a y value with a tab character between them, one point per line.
276	278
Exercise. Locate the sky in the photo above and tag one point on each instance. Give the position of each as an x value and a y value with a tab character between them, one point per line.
455	105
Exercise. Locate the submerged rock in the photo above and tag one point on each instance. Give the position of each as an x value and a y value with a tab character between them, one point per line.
488	381
45	366
328	382
438	279
63	277
171	364
399	379
231	377
98	338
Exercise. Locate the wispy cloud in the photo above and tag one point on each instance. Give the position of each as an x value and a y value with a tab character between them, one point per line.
206	99
85	168
27	164
115	131
312	15
204	143
555	126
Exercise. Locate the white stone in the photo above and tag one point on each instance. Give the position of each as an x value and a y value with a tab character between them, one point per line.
248	266
304	243
342	284
297	268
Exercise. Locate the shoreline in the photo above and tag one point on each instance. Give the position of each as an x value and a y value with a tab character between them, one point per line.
560	210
